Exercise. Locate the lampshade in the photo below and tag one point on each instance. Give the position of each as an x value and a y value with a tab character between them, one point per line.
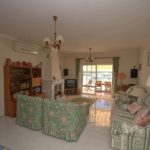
121	76
148	81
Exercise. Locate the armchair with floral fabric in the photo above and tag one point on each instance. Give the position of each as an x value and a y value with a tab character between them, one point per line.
65	120
29	111
122	99
128	131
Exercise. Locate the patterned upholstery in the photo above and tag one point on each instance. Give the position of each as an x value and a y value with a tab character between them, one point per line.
125	134
128	136
121	100
64	120
29	111
138	140
124	98
3	148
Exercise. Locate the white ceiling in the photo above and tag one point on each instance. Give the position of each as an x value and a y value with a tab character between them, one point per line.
101	24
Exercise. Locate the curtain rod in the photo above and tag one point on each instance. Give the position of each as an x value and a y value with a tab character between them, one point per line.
99	57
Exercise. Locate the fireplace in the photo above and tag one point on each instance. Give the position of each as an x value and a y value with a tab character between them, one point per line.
53	84
57	91
53	89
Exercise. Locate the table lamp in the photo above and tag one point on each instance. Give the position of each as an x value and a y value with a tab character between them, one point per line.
121	77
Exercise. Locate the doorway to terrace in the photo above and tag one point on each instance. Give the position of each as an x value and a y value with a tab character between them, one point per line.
97	79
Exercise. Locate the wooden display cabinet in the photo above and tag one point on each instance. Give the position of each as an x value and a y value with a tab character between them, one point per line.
36	81
19	79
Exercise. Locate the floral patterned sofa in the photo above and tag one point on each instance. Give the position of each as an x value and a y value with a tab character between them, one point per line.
122	98
65	120
29	111
126	135
62	119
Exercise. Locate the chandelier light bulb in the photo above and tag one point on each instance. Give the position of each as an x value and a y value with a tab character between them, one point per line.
46	42
57	39
89	59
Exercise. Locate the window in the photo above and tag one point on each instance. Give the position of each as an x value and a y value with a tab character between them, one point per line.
94	73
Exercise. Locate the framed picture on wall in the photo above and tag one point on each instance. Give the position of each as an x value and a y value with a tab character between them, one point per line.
148	59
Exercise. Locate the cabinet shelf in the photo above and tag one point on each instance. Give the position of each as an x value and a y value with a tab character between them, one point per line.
12	92
18	79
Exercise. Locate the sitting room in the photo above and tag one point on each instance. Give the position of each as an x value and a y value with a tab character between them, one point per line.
75	75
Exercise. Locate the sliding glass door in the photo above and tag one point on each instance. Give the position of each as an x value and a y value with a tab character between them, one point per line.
89	79
96	78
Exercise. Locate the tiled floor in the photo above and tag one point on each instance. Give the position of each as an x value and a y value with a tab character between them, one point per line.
99	113
96	135
17	137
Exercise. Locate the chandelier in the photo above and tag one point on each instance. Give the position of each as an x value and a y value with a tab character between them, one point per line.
57	39
89	59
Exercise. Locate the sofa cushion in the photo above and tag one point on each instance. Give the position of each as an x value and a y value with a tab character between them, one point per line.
138	92
134	107
144	99
129	90
144	111
142	121
146	102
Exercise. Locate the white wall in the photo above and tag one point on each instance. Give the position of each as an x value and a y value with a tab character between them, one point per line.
128	59
6	51
1	89
145	69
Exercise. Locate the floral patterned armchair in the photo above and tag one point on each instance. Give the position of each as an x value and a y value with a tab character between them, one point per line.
29	111
125	134
65	120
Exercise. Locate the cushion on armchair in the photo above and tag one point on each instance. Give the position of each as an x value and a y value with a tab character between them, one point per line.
134	107
132	132
142	121
142	118
138	91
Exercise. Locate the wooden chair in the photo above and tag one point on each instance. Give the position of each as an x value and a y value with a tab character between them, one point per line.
108	86
98	86
88	86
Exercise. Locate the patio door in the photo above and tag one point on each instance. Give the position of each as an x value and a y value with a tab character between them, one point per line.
89	79
96	78
104	78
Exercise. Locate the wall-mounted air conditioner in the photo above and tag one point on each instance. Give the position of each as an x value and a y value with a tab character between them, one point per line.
25	47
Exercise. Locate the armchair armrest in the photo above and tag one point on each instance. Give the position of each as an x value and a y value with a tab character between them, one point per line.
122	100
